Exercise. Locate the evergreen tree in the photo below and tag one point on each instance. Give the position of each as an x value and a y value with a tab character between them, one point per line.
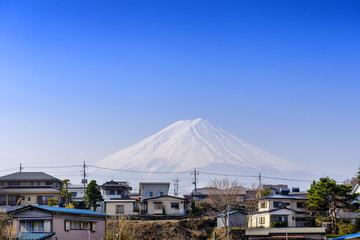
358	176
92	194
328	196
65	194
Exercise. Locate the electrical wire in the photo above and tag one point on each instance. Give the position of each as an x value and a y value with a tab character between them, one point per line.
135	171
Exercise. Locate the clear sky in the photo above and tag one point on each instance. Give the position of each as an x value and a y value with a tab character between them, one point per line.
80	80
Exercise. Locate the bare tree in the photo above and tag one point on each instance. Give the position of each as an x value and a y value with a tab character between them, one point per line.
223	193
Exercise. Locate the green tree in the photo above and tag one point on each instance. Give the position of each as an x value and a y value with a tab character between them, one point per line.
52	202
92	194
358	176
65	194
326	196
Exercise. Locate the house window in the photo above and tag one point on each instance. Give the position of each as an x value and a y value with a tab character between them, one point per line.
119	209
157	205
80	225
160	194
44	200
73	194
281	219
2	200
29	199
14	183
149	194
263	205
13	199
2	183
262	220
286	204
300	205
49	183
32	183
175	205
278	204
32	226
38	183
111	192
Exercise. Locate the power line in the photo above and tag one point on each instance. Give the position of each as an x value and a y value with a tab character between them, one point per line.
229	175
134	171
287	179
70	166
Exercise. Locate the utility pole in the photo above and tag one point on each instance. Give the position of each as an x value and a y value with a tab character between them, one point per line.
228	221
84	180
195	181
176	187
259	185
21	168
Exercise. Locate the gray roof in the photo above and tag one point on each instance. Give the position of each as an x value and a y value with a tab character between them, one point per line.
28	176
267	231
28	190
276	209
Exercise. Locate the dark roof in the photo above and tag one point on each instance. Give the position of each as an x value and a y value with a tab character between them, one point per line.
28	176
63	210
116	184
278	196
164	196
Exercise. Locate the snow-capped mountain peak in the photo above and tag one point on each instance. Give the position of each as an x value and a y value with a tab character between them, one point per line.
189	144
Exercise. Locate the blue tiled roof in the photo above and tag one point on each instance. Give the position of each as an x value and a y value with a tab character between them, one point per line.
355	235
70	210
33	236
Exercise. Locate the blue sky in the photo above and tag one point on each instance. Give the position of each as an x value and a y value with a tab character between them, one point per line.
80	80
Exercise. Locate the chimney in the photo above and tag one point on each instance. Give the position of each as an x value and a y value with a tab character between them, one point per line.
295	189
284	191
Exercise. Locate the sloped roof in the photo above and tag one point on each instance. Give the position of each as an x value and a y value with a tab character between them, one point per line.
355	235
297	230
64	210
275	210
183	199
278	196
28	176
20	190
33	236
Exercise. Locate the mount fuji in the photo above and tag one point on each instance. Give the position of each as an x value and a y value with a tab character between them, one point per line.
189	144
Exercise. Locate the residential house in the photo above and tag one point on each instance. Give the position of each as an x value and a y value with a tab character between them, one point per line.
114	190
44	222
163	205
24	188
348	214
203	193
119	207
117	200
294	233
77	192
280	210
153	189
274	189
236	219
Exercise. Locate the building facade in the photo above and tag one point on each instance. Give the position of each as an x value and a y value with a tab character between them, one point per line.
25	188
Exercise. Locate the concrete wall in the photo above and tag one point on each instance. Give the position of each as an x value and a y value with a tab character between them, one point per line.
236	220
166	203
111	207
154	188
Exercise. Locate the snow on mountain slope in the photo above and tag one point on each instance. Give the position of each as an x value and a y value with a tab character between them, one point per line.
190	144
